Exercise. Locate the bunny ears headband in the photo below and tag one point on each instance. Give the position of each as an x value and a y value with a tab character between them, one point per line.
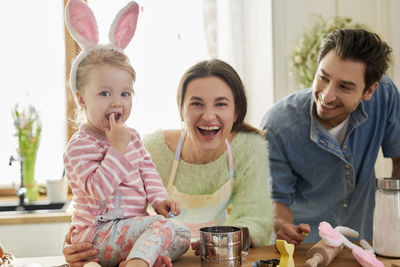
82	26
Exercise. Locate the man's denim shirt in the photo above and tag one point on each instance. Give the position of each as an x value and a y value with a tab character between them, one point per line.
321	180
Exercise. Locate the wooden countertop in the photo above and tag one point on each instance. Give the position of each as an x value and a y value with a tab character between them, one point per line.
344	259
53	217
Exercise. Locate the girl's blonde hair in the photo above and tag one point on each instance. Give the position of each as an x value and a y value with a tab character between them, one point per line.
96	57
102	57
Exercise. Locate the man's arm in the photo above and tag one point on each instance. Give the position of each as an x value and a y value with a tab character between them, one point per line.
283	185
396	167
283	215
284	227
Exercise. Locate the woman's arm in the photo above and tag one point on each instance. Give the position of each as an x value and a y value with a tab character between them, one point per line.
251	202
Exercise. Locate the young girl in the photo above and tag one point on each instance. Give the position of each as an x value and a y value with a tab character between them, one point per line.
110	173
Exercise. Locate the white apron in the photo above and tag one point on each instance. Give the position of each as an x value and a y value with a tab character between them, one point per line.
199	211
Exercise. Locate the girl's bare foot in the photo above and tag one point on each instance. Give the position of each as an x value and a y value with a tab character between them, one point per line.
163	261
133	263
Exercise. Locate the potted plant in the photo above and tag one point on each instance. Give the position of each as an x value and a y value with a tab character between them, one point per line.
28	129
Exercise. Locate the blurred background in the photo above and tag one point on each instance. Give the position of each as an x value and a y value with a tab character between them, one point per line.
258	37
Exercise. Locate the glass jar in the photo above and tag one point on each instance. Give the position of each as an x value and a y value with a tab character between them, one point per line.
386	237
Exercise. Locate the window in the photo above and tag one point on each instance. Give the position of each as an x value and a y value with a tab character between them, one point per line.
169	39
32	72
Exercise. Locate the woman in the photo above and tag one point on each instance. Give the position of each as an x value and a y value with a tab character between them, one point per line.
216	167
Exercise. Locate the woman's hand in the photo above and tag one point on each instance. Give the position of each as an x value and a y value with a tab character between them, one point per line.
76	254
196	247
167	206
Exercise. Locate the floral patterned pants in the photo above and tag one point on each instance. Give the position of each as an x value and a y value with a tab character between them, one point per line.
140	237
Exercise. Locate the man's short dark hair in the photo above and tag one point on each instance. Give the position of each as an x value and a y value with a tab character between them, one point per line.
359	45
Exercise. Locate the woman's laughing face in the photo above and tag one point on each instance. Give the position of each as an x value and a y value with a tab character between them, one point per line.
209	112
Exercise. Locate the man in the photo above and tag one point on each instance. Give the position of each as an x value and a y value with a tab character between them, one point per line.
324	141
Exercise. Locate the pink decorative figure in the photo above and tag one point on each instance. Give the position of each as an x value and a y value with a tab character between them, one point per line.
334	237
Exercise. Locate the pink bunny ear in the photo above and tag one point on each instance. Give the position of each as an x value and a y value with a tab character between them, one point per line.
124	25
366	258
81	23
329	235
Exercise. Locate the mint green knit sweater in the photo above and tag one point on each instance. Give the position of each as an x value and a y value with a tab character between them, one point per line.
251	202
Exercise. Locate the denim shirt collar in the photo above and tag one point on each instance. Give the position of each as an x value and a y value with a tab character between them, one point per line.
321	137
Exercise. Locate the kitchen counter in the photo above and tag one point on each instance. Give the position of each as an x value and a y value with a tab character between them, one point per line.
344	259
29	218
53	261
7	218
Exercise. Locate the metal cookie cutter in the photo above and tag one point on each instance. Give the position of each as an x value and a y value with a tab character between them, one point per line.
266	263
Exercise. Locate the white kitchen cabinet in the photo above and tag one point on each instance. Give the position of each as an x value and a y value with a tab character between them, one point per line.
34	240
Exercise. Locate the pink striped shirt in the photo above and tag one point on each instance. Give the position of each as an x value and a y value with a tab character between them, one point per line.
107	184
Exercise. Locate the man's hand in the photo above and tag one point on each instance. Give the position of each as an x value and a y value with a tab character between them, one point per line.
118	134
284	227
76	254
168	205
293	234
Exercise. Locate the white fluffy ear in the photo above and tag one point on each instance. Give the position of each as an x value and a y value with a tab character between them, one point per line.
124	25
81	23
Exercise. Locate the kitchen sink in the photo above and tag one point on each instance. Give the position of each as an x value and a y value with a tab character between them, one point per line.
40	206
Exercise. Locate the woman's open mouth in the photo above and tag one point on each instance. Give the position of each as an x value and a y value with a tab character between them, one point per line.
117	116
208	130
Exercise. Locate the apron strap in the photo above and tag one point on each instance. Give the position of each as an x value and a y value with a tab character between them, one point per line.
230	159
176	159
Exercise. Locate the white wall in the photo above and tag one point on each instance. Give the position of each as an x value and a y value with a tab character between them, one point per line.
292	17
243	39
258	74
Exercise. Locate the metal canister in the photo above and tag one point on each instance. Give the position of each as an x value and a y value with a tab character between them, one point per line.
386	232
223	246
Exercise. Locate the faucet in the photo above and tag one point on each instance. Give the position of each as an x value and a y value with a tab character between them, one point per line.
20	192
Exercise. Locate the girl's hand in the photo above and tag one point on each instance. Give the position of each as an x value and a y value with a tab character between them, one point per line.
118	134
168	205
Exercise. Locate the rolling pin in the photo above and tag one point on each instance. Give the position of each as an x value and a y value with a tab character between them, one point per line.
320	255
